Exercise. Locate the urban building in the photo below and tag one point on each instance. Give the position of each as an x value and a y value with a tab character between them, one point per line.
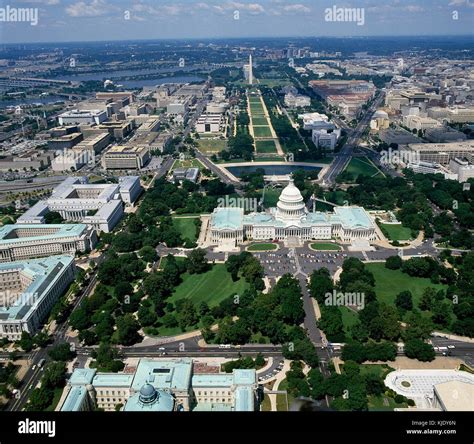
210	123
126	157
290	221
439	152
326	138
77	117
297	101
191	174
462	168
65	141
420	123
28	241
76	200
444	134
380	121
34	159
162	385
316	121
29	291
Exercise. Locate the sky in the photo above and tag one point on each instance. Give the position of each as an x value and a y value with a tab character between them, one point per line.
99	20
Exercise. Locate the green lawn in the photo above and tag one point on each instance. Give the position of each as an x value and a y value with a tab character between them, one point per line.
259	120
262	131
265	146
256	108
384	403
212	287
186	227
361	166
275	83
188	163
389	283
325	246
282	405
211	145
262	247
266	406
381	370
397	232
349	318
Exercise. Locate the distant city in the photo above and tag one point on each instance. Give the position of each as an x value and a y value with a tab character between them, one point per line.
252	224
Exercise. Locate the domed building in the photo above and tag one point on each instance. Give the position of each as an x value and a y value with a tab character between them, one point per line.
150	399
290	222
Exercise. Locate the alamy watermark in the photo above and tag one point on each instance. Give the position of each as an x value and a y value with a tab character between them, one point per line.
335	14
14	15
399	157
247	204
346	299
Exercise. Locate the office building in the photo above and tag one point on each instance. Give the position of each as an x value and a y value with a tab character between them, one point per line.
65	141
439	152
463	168
162	385
326	139
76	200
316	121
210	123
29	289
297	101
28	241
78	117
444	134
420	123
191	174
126	157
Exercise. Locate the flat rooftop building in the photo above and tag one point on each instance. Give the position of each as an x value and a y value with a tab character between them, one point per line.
76	117
29	241
162	385
29	290
126	157
440	152
75	199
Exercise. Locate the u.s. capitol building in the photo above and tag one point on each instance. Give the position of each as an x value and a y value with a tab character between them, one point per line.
290	220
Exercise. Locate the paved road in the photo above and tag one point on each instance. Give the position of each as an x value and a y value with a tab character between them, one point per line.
344	156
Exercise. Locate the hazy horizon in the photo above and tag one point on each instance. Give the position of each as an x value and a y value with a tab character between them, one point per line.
124	20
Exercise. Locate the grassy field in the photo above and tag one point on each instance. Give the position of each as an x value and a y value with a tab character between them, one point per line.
265	146
397	232
186	227
188	163
361	166
262	247
259	121
197	286
211	145
321	246
262	131
384	403
274	83
389	283
349	318
282	405
266	406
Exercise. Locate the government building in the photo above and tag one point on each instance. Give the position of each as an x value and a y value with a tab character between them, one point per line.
27	241
290	222
77	200
29	290
160	386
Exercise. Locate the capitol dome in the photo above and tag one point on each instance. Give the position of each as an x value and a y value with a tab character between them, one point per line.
148	393
290	204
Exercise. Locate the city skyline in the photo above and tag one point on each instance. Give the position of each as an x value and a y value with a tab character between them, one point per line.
99	20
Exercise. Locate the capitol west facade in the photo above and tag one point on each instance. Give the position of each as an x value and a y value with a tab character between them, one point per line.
290	220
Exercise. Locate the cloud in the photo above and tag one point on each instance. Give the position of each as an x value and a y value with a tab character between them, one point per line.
297	8
465	3
95	8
